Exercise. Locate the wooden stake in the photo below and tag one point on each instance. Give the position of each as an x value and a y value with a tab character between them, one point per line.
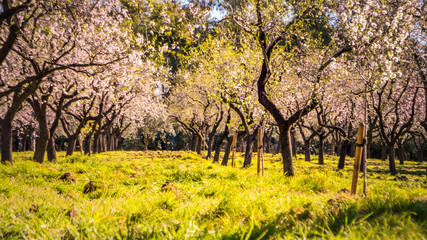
357	157
233	147
259	151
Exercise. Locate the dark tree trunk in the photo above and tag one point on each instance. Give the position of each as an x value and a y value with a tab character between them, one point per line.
391	160
212	135
198	144
24	143
102	145
332	150
368	151
294	144
242	144
343	153
286	148
41	144
210	145
400	153
96	142
218	145
420	155
71	145
110	141
352	149
321	150
267	140
87	144
51	151
307	150
383	152
339	146
227	151
6	141
116	143
193	142
249	148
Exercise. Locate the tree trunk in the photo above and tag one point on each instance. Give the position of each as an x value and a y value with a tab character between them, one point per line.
210	143
110	141
294	144
307	150
249	148
198	144
43	140
339	146
227	151
116	142
332	150
400	153
32	141
71	145
218	145
51	151
193	142
286	148
6	141
87	144
96	142
102	145
384	152
352	149
343	153
420	154
391	160
321	150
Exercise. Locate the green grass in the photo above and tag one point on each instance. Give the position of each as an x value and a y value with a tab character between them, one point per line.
206	200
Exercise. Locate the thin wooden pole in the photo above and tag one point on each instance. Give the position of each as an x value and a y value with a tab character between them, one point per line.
233	147
259	152
262	152
357	157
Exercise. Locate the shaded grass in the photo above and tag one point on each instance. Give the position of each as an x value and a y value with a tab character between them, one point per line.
210	201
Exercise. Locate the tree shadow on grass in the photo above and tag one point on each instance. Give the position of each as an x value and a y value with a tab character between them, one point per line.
337	217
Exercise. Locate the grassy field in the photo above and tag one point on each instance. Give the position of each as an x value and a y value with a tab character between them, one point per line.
179	195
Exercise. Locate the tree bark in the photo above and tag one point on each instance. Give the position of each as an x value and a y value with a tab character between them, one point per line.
249	148
400	152
219	143
193	142
42	143
71	145
294	144
227	151
96	142
87	143
307	150
321	160
6	141
198	144
51	151
286	147
383	152
343	153
391	160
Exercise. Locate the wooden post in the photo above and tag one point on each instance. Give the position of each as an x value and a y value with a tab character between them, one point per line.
259	152
233	149
357	157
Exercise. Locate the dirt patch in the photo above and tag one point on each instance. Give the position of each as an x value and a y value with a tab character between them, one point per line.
72	213
67	177
169	187
92	186
344	190
34	208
